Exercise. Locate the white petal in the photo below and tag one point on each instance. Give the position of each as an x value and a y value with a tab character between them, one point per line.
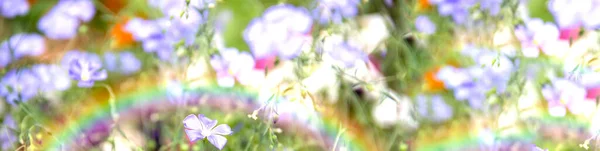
226	81
208	123
218	141
194	135
557	111
222	130
192	122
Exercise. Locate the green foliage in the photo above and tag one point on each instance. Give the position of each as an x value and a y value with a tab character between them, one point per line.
539	9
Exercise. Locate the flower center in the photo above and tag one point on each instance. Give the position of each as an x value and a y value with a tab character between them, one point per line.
85	73
205	133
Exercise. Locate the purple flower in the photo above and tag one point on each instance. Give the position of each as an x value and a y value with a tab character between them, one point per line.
425	25
574	13
72	55
58	26
336	10
129	63
19	85
472	83
536	35
111	61
7	133
63	20
186	19
463	85
568	13
492	6
5	58
124	62
13	8
142	29
282	30
82	10
434	108
150	34
52	77
344	51
200	127
86	71
562	95
95	135
171	8
231	65
458	9
25	45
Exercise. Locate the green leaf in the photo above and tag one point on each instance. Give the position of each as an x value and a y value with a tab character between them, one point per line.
539	9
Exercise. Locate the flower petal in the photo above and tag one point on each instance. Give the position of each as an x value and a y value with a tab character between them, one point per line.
194	135
222	129
206	122
226	81
100	75
192	122
85	84
218	141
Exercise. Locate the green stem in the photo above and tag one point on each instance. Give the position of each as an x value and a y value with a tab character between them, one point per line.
113	112
394	138
249	142
337	138
111	102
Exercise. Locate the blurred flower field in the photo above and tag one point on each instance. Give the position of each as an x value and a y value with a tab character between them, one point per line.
306	75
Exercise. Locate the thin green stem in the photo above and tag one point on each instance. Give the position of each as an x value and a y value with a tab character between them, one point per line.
337	138
113	112
111	102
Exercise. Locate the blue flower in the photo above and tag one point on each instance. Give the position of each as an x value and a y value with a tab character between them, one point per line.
472	83
24	45
200	127
58	26
425	25
72	55
7	133
186	19
171	8
82	10
19	85
142	29
492	6
111	61
336	10
344	51
574	13
124	62
458	9
160	36
52	77
86	71
282	30
5	58
13	8
64	19
434	108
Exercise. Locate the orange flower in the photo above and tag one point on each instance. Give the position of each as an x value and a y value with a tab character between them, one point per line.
423	5
120	37
431	82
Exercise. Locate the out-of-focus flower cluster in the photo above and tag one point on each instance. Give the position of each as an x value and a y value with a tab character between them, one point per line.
372	65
